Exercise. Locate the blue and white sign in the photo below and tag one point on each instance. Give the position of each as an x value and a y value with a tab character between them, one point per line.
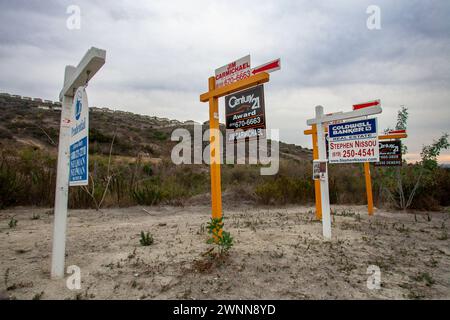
353	142
361	129
79	140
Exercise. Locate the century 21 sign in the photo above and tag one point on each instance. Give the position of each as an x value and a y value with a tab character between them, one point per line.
245	115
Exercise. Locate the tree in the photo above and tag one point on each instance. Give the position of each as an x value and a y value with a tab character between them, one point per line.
393	180
428	163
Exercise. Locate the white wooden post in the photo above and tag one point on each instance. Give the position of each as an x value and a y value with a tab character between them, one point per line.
74	77
325	198
320	120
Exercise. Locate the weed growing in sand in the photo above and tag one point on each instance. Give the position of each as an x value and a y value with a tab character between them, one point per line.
35	216
12	223
6	277
201	229
146	239
38	296
400	228
346	213
424	277
443	236
221	238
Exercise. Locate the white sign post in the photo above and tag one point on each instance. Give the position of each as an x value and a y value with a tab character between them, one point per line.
74	78
320	120
321	143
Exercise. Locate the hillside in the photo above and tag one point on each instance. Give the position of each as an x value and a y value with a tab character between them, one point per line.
35	122
140	170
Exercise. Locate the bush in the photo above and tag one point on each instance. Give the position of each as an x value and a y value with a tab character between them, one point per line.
5	134
148	193
27	177
219	237
161	136
146	239
12	223
283	190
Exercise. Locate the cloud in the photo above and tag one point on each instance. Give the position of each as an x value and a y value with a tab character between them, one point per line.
160	54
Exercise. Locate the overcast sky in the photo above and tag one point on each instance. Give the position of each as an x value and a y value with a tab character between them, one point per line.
161	53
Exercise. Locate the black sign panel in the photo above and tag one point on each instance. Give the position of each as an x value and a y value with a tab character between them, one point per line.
245	115
390	154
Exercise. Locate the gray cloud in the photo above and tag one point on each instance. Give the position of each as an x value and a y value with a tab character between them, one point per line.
160	54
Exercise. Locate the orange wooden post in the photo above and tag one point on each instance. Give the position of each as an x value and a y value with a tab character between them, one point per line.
368	188
316	182
212	96
214	139
367	170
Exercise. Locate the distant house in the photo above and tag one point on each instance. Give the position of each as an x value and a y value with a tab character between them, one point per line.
26	98
190	122
37	99
43	107
4	94
48	101
57	108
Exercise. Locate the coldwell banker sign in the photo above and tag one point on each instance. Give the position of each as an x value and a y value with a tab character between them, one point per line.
79	142
353	142
245	114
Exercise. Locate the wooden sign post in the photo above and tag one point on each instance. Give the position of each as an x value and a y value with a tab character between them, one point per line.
212	96
367	175
319	122
74	78
394	135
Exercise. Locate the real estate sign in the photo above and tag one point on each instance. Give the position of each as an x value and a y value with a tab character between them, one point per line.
232	72
353	141
390	154
79	141
245	114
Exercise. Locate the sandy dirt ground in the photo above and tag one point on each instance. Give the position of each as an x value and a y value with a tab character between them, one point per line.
278	254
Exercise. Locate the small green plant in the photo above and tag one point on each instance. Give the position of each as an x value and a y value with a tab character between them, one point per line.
6	277
424	277
38	296
35	216
12	223
146	239
443	236
221	238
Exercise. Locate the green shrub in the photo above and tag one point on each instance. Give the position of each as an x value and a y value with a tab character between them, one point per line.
147	168
146	239
148	193
283	190
35	216
222	239
161	136
12	223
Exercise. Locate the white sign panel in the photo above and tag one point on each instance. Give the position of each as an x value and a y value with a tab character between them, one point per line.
268	67
233	72
79	140
319	169
353	142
